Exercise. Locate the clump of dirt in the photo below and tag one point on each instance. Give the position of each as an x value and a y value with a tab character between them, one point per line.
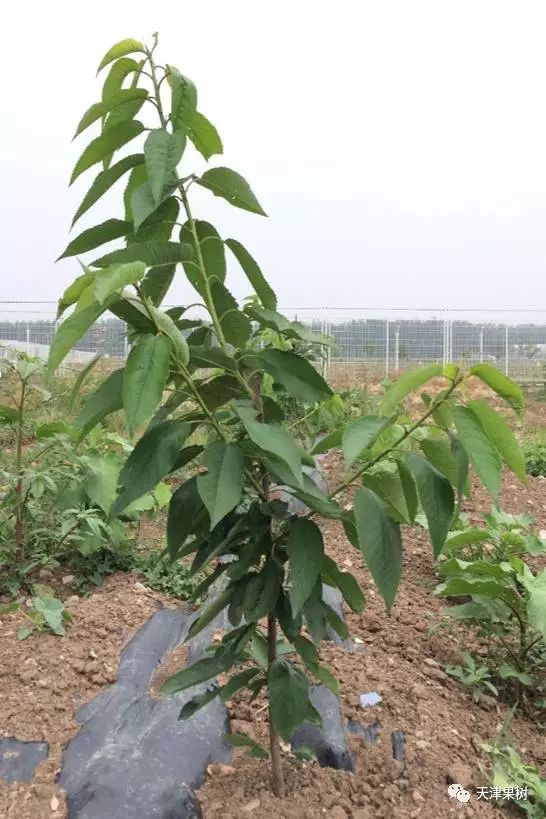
174	662
45	679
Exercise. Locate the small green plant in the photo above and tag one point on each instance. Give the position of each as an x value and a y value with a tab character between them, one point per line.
510	771
506	606
218	388
55	509
472	675
45	613
170	577
505	535
535	458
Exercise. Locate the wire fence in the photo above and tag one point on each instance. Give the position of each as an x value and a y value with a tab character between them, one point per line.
367	343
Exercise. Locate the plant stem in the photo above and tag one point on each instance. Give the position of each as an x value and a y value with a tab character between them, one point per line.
19	544
274	744
396	444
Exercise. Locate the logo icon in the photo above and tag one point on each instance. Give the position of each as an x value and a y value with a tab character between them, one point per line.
457	791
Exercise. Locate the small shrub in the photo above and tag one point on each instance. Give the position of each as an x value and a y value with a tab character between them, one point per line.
535	458
509	771
172	578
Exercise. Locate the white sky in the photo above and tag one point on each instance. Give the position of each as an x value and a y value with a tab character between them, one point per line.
398	147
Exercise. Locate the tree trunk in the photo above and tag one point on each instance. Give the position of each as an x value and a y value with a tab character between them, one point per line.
274	745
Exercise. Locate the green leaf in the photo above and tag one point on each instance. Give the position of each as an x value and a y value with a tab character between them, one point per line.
212	357
380	543
388	485
463	586
230	186
143	204
137	178
291	329
235	324
296	375
100	109
219	391
253	274
436	496
8	415
261	591
499	383
193	675
117	74
501	436
481	452
116	277
346	583
361	435
166	325
208	251
441	456
407	383
242	741
162	152
186	510
151	459
154	252
52	611
204	136
306	554
288	689
105	145
121	49
107	398
330	441
101	477
95	236
466	538
155	284
146	374
238	681
49	429
275	440
157	225
104	181
222	485
183	99
198	702
73	292
70	331
213	610
536	603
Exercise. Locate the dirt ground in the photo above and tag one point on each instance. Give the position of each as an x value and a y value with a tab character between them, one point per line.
45	679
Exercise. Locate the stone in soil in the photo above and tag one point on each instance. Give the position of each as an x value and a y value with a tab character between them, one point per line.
133	757
328	741
19	760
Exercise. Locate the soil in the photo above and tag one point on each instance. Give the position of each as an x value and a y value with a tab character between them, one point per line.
46	678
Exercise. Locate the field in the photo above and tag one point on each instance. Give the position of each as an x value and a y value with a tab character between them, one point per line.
111	591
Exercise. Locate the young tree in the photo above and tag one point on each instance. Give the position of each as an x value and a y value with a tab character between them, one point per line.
219	379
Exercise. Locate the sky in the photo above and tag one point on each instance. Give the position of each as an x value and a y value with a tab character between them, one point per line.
399	148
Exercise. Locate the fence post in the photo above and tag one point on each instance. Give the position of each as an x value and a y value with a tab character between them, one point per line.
28	339
481	346
397	348
387	344
506	358
125	345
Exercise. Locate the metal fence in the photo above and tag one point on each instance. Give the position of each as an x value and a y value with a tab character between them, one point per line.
366	342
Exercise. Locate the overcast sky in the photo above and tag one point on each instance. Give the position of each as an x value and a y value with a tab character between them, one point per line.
399	148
